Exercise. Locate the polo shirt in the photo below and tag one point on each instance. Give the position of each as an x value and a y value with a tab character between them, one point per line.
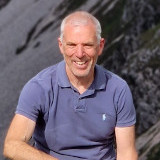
73	126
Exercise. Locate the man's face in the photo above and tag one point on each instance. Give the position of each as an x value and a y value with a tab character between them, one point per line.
80	49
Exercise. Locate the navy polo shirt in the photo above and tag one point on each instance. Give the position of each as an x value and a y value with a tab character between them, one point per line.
73	126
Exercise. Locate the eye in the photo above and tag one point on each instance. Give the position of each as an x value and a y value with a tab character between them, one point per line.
88	45
71	45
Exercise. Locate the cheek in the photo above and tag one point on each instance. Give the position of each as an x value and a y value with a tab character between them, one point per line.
69	52
68	58
93	55
93	52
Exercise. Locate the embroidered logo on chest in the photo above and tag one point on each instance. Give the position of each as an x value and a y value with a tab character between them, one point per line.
104	117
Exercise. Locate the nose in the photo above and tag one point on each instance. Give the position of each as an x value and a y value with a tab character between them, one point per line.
80	51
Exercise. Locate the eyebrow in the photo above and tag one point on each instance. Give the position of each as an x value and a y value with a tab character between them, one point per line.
88	43
85	43
70	43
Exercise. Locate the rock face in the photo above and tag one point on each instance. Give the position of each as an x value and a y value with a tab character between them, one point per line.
132	51
148	144
3	3
29	31
134	54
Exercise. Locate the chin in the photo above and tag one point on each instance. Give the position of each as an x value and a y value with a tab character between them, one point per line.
81	75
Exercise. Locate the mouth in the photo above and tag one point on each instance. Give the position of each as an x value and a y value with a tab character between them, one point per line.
81	64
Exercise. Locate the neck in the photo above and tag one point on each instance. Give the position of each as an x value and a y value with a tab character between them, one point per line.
81	83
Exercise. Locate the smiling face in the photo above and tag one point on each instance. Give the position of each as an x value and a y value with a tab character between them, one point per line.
80	49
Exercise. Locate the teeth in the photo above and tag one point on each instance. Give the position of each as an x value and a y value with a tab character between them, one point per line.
80	63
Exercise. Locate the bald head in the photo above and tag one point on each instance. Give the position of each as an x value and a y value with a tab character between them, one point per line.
81	18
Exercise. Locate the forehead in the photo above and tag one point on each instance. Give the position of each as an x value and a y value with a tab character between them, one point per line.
79	19
79	32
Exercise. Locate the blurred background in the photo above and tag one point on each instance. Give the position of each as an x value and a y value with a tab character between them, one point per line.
28	43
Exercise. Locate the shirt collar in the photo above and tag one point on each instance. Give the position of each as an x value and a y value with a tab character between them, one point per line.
63	80
100	79
99	82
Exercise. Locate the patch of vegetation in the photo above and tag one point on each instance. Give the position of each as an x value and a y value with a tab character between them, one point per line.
154	153
154	63
112	26
108	51
112	20
148	40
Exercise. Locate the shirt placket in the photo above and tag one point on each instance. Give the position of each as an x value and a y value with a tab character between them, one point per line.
79	103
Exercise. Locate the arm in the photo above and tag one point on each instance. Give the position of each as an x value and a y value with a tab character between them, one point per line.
15	145
125	141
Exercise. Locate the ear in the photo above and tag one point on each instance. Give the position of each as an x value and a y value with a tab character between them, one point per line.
60	45
101	46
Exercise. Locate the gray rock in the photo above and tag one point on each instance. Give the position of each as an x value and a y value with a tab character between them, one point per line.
29	31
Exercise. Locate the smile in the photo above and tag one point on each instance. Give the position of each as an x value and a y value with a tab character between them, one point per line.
80	63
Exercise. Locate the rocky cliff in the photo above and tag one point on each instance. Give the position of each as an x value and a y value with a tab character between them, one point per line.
133	52
29	30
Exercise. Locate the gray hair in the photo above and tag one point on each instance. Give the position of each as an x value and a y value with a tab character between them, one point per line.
82	18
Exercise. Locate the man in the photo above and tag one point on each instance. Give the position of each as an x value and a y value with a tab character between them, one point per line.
74	109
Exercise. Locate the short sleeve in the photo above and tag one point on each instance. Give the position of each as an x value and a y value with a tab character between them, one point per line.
31	100
126	114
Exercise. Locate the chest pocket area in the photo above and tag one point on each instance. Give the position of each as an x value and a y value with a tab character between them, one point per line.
84	131
100	126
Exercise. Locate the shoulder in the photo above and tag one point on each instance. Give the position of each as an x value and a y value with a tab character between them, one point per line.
113	79
43	83
38	92
45	78
46	73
